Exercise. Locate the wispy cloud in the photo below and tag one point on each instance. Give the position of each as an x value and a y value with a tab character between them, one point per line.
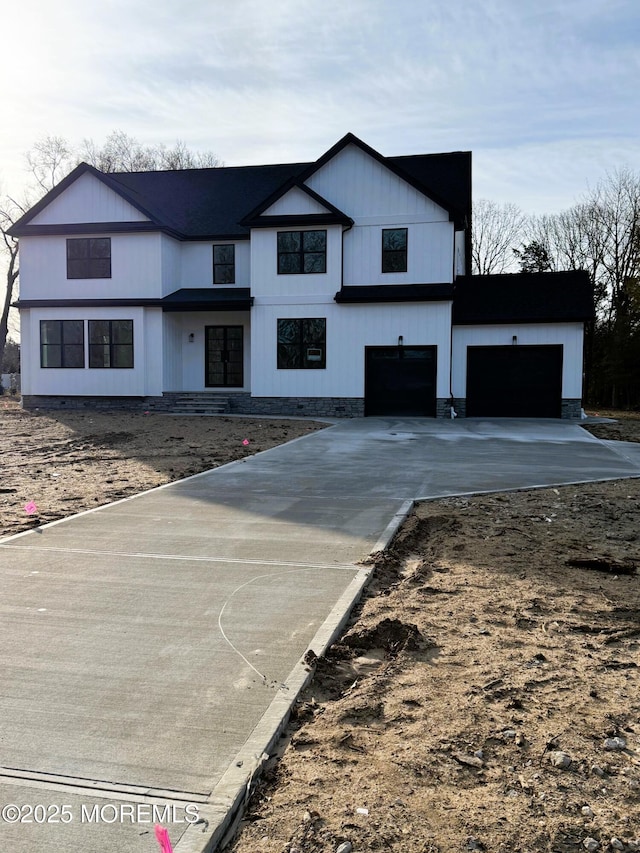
540	90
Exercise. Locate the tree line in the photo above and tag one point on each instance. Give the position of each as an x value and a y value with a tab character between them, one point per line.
599	234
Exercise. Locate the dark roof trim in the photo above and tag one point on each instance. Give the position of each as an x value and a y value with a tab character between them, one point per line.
96	228
208	299
186	299
355	294
125	228
291	220
351	139
255	218
18	228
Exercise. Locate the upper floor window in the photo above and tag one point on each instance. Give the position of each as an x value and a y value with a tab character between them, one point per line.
302	343
110	343
89	257
61	343
394	250
302	252
224	264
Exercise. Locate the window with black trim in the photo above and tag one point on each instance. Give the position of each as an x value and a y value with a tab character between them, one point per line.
302	344
394	250
224	264
302	252
111	343
61	343
89	257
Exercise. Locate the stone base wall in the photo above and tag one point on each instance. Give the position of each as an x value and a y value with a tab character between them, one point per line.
571	409
308	407
131	404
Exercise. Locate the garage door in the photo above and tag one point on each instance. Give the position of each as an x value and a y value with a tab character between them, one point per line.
400	381
514	381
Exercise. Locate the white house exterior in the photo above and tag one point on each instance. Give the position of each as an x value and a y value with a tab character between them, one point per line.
340	287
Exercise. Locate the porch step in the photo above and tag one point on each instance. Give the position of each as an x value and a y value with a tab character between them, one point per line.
199	404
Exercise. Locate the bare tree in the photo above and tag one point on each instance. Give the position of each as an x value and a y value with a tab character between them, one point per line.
9	212
497	229
123	153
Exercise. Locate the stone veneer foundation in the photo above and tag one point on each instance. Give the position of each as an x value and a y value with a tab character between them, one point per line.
244	404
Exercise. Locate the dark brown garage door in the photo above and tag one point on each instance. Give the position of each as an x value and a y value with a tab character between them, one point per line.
514	381
400	381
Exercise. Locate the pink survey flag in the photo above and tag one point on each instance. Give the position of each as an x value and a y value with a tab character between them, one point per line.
30	508
245	441
162	837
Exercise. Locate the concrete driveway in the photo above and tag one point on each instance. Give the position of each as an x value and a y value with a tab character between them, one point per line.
149	649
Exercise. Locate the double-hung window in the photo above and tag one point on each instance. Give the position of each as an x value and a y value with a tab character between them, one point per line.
302	344
394	250
61	343
111	343
89	257
302	252
224	264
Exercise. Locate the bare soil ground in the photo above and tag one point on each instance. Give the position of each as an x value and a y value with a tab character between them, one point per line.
66	462
475	700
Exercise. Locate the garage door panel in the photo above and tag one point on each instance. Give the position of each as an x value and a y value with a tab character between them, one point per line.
400	381
514	381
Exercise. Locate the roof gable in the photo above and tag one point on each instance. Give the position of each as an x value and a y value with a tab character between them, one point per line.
295	203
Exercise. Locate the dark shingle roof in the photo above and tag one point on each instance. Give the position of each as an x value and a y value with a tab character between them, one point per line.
548	297
211	203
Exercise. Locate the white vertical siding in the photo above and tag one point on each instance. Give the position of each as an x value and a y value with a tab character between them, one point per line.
145	378
171	264
360	186
295	202
570	335
184	361
197	263
350	328
265	281
88	200
429	254
135	269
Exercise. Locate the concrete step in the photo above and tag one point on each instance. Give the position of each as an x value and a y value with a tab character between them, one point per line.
199	404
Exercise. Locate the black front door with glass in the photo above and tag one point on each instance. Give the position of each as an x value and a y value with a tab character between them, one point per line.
223	357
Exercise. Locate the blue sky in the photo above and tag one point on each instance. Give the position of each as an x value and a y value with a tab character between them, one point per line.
544	92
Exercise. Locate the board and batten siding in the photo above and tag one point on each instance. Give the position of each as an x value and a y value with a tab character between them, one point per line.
135	269
429	253
184	360
144	379
350	328
295	203
570	335
265	280
197	264
360	186
88	200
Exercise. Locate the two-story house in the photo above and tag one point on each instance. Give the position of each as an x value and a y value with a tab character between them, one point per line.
341	287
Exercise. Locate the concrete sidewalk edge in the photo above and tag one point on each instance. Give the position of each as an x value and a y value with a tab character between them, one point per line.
226	804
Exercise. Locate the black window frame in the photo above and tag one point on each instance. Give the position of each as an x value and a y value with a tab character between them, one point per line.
291	349
301	253
111	347
94	263
47	348
218	266
388	254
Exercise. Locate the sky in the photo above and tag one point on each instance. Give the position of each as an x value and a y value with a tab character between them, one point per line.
545	93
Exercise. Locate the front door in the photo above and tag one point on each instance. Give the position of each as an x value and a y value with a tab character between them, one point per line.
223	357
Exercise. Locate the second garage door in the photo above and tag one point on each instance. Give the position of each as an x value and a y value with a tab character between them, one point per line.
514	381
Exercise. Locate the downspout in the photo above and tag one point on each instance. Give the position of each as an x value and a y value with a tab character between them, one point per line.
452	412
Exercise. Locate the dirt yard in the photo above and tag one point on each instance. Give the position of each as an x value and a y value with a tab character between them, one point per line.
485	695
